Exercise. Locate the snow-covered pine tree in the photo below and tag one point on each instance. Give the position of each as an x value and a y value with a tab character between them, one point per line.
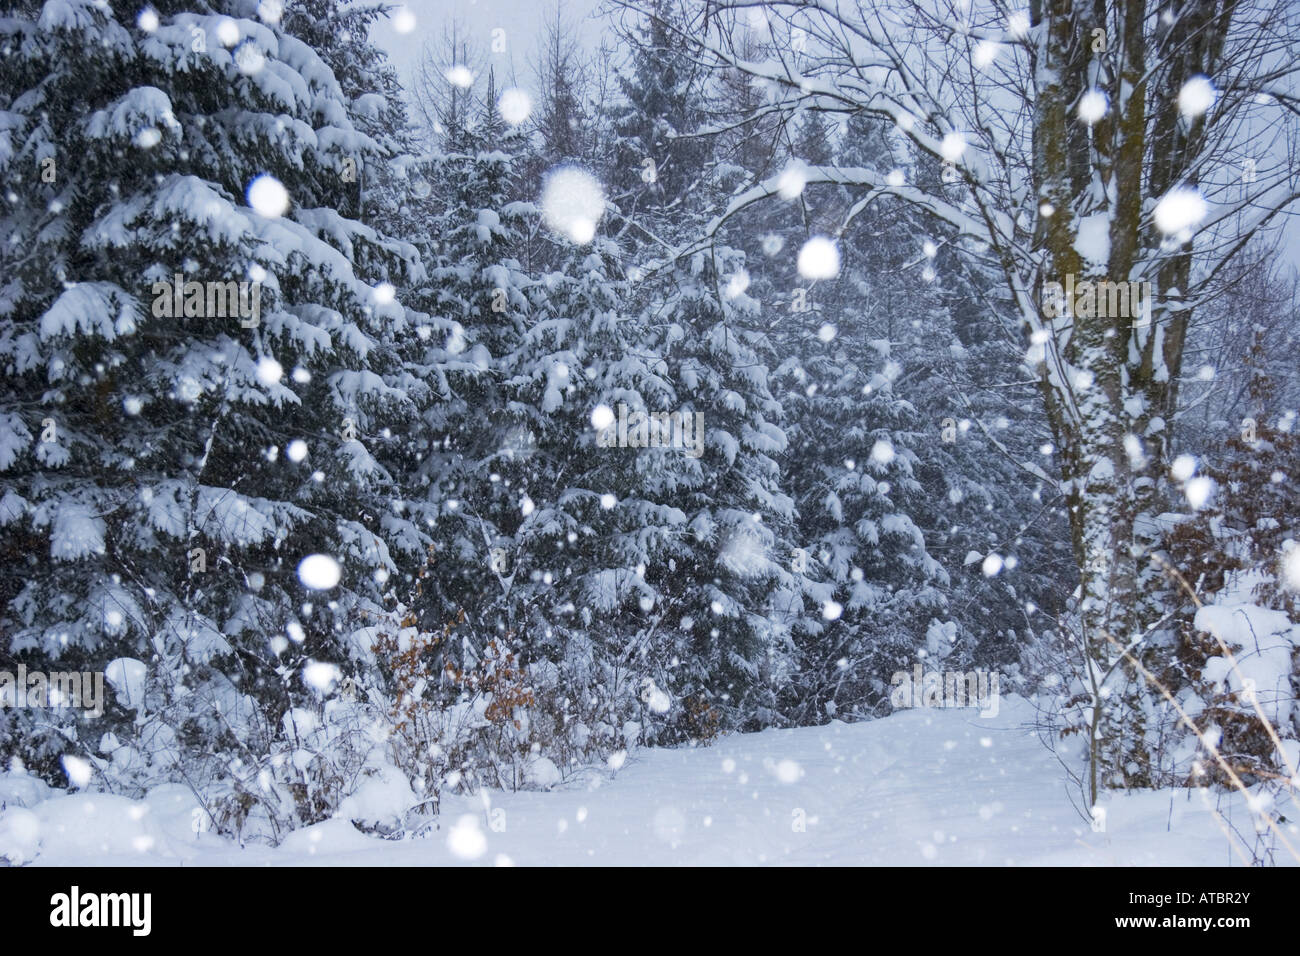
571	580
856	487
862	587
476	293
710	537
173	455
724	524
339	33
655	165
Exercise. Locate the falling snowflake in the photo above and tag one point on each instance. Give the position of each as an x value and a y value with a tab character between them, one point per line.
737	285
992	565
1184	467
1093	106
319	572
269	371
1196	97
78	770
1180	209
321	676
465	840
147	20
787	771
832	610
268	197
460	76
515	106
819	259
793	179
985	54
227	32
297	450
953	146
602	416
882	452
403	20
573	202
1198	491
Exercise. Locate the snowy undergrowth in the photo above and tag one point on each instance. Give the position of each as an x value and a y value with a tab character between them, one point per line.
921	787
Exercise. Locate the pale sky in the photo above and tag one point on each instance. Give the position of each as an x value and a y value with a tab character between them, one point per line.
520	19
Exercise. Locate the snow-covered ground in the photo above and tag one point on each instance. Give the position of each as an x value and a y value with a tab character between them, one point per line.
921	787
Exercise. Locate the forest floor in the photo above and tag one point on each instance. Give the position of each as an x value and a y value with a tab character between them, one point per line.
920	787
